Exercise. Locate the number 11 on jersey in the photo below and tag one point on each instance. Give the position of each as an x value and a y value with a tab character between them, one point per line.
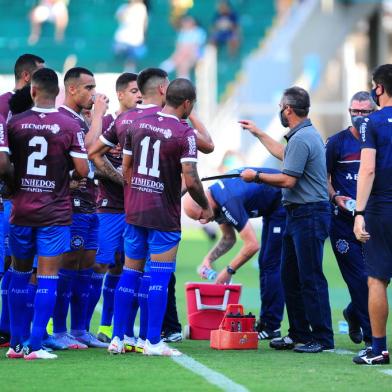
143	169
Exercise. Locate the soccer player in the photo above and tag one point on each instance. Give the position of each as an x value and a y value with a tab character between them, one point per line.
25	66
158	148
372	224
44	146
234	202
110	203
76	270
343	157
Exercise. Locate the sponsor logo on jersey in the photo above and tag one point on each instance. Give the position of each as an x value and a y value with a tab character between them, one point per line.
229	217
192	145
166	132
2	138
54	128
146	185
35	185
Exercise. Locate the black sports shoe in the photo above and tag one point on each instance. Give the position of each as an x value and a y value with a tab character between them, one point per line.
354	328
264	333
372	359
312	348
284	343
4	339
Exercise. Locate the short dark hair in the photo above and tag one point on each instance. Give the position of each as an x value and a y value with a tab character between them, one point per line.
363	96
180	90
46	79
383	75
298	99
124	79
26	62
21	100
150	78
74	73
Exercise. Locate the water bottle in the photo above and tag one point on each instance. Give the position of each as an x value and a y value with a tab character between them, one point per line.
350	204
343	327
207	273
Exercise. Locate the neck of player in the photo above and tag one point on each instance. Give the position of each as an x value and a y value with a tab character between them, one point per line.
44	103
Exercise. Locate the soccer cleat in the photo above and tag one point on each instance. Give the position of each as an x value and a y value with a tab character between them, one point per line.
160	349
4	339
69	341
172	337
90	340
116	346
130	344
372	359
139	346
15	352
354	328
265	333
312	348
30	355
284	343
104	333
54	344
365	350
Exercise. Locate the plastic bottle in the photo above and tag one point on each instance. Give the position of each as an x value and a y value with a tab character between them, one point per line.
350	204
343	327
208	273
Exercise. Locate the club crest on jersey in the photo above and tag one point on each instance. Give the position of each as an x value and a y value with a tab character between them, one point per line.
55	128
342	246
77	242
42	115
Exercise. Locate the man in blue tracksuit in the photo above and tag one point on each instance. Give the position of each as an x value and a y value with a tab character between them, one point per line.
234	202
343	158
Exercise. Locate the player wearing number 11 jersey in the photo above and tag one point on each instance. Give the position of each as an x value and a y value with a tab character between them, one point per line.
44	146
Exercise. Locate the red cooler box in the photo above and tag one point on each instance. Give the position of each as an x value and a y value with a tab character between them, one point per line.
206	306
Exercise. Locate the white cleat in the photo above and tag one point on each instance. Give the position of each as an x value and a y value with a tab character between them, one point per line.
161	349
39	354
116	346
15	353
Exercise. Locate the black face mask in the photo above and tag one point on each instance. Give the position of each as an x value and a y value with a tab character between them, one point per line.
375	97
283	119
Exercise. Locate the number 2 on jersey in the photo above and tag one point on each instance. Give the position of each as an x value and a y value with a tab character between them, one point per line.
143	169
32	169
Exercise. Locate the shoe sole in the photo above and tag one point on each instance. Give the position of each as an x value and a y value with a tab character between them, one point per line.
36	358
14	356
77	347
5	345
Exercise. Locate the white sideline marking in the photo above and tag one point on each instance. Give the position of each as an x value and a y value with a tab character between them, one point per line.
386	371
208	374
340	351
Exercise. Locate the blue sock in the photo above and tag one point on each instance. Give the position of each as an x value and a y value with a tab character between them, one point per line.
109	288
160	273
95	295
123	298
29	312
134	306
17	304
79	300
5	315
143	303
64	291
45	300
379	345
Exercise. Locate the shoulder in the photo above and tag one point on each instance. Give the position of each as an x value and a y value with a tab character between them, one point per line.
18	117
336	139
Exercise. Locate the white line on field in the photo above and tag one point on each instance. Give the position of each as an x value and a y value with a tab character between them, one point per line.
386	371
340	351
208	374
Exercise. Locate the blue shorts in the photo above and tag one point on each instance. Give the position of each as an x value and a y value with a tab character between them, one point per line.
1	243
6	225
110	237
84	232
49	241
139	242
378	250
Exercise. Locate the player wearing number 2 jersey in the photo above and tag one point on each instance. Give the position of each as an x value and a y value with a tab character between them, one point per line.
158	148
44	147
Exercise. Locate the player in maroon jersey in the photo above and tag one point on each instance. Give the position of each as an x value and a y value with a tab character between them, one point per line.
45	145
158	149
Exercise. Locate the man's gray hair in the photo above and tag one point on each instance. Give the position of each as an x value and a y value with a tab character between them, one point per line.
298	99
363	96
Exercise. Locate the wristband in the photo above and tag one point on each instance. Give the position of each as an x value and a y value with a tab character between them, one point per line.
356	213
257	178
230	270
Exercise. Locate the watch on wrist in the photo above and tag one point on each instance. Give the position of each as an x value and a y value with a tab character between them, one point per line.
333	198
230	270
257	177
356	213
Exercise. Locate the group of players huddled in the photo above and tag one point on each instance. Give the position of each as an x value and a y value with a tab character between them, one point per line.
92	204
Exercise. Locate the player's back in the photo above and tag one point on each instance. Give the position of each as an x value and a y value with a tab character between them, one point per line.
159	143
42	142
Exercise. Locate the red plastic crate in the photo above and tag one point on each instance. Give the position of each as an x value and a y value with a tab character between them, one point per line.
206	306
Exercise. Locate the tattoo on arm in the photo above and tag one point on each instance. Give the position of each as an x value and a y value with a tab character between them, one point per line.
106	169
221	248
193	184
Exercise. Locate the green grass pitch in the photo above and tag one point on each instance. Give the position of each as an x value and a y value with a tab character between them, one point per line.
261	370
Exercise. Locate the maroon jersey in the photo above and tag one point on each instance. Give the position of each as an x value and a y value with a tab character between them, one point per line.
4	105
42	142
83	197
110	194
159	143
3	147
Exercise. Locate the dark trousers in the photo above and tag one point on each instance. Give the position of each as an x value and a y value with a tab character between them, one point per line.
349	255
271	290
304	284
171	322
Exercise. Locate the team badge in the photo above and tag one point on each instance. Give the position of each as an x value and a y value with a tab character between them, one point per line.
342	246
77	242
55	128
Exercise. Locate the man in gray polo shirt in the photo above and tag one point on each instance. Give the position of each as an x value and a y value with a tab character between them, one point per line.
305	197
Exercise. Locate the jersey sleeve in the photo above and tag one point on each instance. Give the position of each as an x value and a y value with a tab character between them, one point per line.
331	153
188	146
78	148
128	144
109	136
235	214
296	156
3	136
367	134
